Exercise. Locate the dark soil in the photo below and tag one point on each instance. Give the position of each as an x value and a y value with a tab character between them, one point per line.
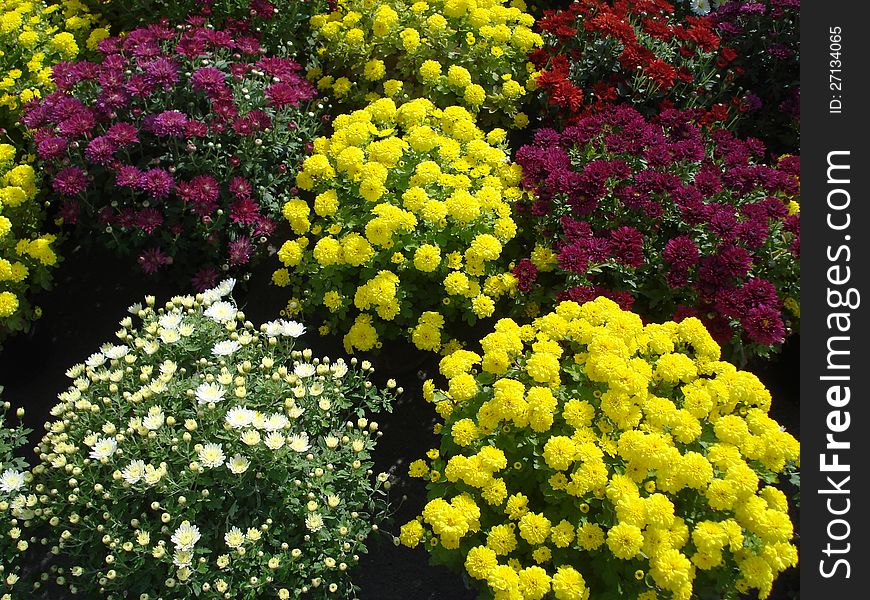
91	296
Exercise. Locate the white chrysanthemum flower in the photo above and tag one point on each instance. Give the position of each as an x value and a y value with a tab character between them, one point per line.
225	348
210	296
298	442
274	440
115	352
216	293
96	360
331	441
315	389
134	309
103	448
74	371
324	404
155	419
11	481
276	422
209	392
187	300
283	328
221	312
332	500
305	370
170	320
295	412
154	475
234	538
186	536
314	522
150	347
251	437
134	472
211	455
293	329
274	328
168	367
225	287
169	336
259	420
700	7
339	368
238	417
238	464
182	558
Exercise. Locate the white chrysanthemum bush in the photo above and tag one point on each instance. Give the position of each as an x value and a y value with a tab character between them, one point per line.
203	457
15	513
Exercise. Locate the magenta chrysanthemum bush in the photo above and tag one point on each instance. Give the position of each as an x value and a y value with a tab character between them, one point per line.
176	146
667	218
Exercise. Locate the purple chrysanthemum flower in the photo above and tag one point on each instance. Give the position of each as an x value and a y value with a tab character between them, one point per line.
526	274
66	74
123	134
196	129
240	250
152	259
626	245
210	80
101	150
157	183
764	325
140	86
201	193
51	148
77	124
263	9
681	252
69	211
148	220
70	181
128	176
204	279
245	211
162	72
265	227
169	123
284	69
240	187
112	99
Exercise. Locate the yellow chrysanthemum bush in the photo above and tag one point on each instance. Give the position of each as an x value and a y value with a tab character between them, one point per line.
471	53
26	255
408	211
34	36
588	455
